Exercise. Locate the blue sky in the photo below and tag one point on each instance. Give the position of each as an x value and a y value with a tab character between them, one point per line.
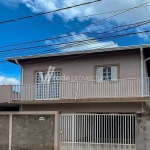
61	22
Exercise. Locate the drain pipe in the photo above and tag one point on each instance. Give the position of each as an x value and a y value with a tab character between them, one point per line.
16	60
142	76
21	81
142	70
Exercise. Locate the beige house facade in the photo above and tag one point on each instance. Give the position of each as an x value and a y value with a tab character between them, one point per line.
102	95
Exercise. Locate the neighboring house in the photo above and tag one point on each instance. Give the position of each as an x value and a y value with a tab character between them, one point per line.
103	95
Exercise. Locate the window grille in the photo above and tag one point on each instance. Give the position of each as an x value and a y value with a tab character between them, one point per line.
45	89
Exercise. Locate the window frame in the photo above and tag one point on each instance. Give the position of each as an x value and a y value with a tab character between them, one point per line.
45	70
105	66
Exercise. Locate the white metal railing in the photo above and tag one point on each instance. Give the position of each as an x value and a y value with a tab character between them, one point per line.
83	89
97	131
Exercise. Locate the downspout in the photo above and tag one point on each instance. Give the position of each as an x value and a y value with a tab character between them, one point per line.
142	70
142	75
16	60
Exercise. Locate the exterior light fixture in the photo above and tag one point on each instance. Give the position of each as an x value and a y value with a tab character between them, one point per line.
41	118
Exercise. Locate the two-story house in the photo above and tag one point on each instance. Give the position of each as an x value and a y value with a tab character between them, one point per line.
102	95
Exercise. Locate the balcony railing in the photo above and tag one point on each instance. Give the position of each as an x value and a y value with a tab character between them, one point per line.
82	90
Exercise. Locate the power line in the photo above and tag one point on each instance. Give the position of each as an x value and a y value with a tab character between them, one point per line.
29	63
73	44
91	39
48	12
94	39
102	38
138	6
112	37
129	9
31	42
102	47
54	21
117	36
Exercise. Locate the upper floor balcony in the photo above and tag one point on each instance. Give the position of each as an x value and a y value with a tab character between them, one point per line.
76	90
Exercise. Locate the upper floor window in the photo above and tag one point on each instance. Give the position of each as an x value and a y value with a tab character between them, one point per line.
47	88
107	73
53	79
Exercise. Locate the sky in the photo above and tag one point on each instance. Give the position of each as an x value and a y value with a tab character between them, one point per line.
68	22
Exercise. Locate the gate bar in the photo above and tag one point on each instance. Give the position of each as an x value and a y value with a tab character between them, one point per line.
10	131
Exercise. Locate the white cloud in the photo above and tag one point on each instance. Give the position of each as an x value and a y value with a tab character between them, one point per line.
87	45
102	6
38	6
98	7
144	36
8	81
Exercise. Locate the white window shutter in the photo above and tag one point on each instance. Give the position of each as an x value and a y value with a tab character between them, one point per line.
114	73
99	74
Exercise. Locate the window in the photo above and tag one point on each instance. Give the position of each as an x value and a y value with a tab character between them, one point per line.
106	73
55	77
49	90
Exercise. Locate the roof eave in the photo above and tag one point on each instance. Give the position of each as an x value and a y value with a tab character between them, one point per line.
77	52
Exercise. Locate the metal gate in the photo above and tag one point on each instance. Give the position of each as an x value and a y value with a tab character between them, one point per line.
97	132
